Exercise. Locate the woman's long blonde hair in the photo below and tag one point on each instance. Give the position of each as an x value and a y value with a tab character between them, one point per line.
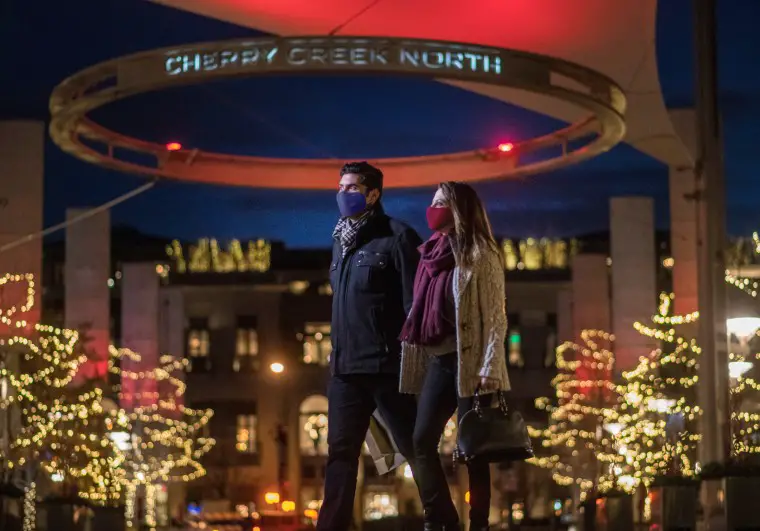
472	233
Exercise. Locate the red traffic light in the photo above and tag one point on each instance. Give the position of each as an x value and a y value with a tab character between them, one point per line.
506	147
173	146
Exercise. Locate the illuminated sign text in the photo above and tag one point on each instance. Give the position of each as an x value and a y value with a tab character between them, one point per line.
311	54
536	254
208	257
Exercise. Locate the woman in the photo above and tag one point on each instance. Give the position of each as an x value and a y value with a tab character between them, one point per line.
453	343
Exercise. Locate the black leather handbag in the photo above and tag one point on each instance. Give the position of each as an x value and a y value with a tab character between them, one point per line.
493	434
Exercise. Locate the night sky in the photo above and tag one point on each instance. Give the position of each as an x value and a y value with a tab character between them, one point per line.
43	41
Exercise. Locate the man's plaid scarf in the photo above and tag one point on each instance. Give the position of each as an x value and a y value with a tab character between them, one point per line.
347	229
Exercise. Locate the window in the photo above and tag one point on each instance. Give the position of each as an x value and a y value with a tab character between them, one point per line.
379	505
245	439
316	343
514	349
198	345
246	344
313	438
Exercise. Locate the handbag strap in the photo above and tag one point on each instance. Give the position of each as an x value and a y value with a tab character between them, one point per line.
499	396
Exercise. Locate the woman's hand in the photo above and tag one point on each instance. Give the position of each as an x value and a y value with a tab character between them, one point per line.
488	385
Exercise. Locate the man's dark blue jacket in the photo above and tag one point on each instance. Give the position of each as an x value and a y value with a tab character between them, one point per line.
372	295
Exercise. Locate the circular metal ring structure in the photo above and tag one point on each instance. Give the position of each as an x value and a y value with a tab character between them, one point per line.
106	82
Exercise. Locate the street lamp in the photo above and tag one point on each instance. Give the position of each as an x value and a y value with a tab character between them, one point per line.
277	367
743	327
737	369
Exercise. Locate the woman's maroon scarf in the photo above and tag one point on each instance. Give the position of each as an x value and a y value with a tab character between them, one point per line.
426	323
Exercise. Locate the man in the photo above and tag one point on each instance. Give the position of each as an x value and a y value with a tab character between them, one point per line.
372	275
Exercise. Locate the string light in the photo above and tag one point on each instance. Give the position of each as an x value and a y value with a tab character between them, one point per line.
150	506
130	505
30	508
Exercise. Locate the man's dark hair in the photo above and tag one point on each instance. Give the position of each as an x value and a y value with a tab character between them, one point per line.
370	176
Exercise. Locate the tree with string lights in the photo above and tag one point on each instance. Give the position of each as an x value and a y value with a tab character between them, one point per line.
164	442
61	431
582	417
658	413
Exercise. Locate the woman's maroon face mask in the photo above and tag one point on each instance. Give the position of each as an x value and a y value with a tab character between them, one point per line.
440	218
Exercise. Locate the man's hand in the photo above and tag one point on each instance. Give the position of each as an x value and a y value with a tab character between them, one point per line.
488	385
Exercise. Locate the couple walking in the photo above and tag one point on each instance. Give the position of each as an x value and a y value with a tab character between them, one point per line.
411	318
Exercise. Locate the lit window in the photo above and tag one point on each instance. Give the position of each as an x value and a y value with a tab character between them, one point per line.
246	434
379	505
511	255
198	345
531	253
316	344
246	344
515	357
313	439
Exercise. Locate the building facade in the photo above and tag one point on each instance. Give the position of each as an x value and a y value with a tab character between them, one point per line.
253	320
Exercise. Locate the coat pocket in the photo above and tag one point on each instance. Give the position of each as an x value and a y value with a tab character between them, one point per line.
371	271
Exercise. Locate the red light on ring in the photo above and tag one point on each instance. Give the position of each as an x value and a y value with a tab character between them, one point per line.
173	146
506	147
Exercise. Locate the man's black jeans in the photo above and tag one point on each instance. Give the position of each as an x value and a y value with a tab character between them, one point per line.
351	401
437	403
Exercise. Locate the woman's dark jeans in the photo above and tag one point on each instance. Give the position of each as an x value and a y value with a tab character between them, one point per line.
437	403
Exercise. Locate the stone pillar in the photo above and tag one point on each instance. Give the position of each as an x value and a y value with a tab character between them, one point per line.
172	322
590	293
171	330
139	330
87	294
683	217
21	184
634	291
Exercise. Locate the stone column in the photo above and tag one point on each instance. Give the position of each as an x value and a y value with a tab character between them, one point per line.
590	293
139	330
683	217
634	291
21	184
171	330
87	293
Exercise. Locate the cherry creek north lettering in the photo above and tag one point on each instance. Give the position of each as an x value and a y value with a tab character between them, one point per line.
408	57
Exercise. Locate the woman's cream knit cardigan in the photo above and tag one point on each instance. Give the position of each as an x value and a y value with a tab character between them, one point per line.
481	327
